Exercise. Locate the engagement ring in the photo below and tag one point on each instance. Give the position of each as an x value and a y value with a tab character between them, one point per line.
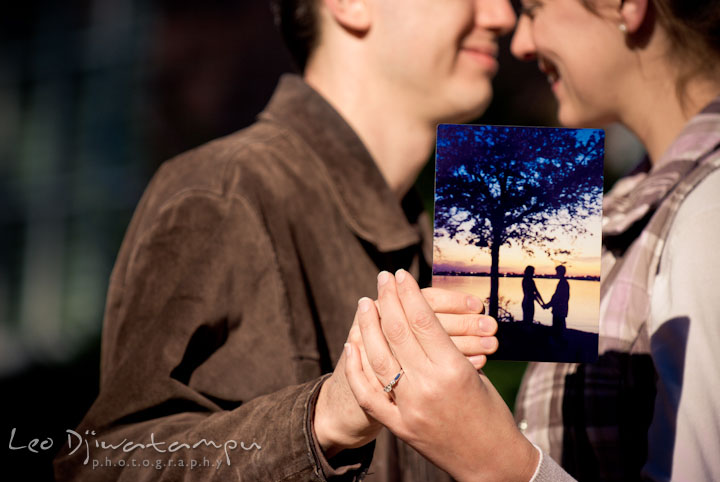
388	388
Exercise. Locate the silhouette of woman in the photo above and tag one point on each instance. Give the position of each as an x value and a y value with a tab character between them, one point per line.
559	301
530	294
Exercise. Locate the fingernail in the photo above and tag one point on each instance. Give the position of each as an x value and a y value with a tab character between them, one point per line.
348	349
400	275
383	278
364	305
477	359
489	343
474	304
483	325
488	324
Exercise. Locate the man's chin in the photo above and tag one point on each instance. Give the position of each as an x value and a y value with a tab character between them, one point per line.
467	109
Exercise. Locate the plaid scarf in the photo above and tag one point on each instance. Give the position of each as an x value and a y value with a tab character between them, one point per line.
593	418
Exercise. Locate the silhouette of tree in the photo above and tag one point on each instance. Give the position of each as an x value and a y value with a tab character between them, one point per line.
498	186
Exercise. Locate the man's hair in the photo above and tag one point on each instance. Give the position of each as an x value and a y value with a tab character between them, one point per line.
298	23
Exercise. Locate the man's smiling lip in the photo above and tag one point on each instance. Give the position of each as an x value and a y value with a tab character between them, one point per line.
486	49
483	54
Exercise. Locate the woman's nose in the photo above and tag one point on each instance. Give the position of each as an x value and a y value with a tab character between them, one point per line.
522	45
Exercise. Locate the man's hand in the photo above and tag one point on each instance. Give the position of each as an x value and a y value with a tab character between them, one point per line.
472	332
339	421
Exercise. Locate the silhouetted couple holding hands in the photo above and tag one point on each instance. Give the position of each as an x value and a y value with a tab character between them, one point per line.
558	303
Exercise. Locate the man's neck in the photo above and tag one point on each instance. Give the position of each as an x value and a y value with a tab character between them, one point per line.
399	143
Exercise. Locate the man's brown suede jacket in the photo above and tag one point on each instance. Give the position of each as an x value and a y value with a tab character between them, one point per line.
232	295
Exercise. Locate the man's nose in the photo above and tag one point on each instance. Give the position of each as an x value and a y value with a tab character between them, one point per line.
522	45
496	15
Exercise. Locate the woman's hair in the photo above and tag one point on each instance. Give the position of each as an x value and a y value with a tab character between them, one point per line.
529	270
298	24
693	27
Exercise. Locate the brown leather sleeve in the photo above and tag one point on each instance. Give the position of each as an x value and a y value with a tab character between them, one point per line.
199	376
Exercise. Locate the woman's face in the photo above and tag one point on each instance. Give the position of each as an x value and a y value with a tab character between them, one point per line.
580	51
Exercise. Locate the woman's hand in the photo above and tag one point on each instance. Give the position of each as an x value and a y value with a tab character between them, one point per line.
340	423
440	405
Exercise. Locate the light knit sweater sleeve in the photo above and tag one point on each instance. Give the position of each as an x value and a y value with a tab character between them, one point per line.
548	470
684	436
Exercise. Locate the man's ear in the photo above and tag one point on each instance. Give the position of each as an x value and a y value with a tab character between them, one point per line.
632	14
352	14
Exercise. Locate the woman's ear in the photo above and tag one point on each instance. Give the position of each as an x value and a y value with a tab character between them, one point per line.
351	14
632	14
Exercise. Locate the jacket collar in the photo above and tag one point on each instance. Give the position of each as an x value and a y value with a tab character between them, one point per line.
368	204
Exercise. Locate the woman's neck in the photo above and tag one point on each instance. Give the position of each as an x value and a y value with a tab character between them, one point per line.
657	114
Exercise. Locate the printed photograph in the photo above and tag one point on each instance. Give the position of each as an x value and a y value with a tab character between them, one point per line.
518	223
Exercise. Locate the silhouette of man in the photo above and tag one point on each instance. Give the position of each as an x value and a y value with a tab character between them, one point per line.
559	301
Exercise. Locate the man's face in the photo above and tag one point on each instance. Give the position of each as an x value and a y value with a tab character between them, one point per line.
438	57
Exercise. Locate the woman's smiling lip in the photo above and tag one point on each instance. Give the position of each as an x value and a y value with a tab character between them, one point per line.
549	69
484	55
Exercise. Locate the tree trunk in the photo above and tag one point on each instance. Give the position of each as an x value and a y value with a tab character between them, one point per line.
494	276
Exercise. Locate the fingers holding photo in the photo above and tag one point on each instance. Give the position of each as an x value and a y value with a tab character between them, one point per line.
473	335
449	301
401	332
467	325
423	322
409	319
476	349
460	315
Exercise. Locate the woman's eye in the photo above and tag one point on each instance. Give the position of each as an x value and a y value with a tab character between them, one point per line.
529	10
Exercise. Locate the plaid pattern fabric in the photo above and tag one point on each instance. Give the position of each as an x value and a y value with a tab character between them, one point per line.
593	418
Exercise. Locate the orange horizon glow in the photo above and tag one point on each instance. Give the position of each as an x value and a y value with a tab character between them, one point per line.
453	255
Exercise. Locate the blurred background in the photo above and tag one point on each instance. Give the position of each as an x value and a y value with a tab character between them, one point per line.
94	95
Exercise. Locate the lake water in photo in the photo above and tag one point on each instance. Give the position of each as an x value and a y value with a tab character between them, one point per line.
583	308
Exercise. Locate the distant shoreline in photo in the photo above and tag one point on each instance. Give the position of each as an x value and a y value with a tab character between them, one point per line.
512	275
